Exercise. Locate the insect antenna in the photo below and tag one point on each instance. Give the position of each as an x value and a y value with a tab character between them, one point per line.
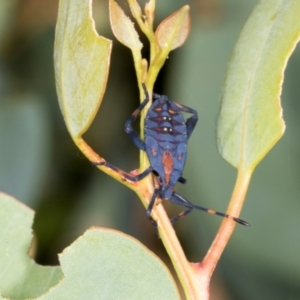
177	199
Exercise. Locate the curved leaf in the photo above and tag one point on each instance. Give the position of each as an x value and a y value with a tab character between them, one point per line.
101	264
20	276
105	264
174	30
250	120
122	26
81	64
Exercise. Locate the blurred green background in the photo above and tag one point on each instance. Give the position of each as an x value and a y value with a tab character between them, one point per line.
41	166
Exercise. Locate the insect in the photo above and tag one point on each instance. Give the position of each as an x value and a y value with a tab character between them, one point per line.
166	134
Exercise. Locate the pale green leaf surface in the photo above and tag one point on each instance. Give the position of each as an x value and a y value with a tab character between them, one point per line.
105	264
174	30
123	27
20	276
250	120
135	9
81	64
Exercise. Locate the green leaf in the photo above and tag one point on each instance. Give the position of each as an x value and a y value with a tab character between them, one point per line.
250	120
20	276
105	264
123	28
101	264
81	64
174	30
134	8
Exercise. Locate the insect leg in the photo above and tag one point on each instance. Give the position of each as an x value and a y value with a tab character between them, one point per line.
191	121
181	215
125	174
182	180
128	124
177	199
149	210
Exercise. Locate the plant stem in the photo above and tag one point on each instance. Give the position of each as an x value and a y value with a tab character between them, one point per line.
238	196
94	157
193	288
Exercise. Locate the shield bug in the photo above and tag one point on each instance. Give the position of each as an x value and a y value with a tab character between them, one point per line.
166	133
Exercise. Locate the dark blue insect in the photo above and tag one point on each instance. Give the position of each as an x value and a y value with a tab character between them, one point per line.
166	135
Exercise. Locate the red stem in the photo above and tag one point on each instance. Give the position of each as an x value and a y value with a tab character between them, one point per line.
238	196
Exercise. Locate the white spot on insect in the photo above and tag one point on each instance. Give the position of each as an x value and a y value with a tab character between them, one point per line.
167	118
167	129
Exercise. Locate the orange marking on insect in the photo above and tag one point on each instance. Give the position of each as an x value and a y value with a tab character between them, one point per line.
153	151
211	211
135	113
167	160
157	109
172	112
180	215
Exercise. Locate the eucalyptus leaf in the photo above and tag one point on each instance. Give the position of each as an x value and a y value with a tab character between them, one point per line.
174	30
20	276
123	27
106	264
101	264
250	120
81	64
